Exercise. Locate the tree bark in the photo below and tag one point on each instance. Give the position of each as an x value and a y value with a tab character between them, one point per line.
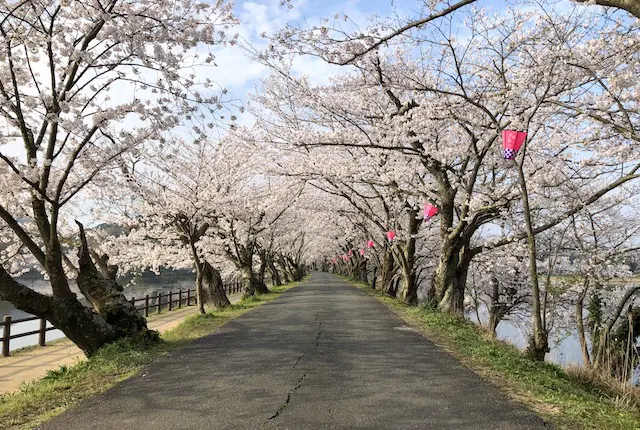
407	257
251	284
112	318
84	327
214	292
199	273
496	309
276	280
389	269
451	276
581	334
539	341
106	296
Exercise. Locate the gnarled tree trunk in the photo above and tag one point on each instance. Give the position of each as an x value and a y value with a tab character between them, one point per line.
451	276
111	318
213	291
251	284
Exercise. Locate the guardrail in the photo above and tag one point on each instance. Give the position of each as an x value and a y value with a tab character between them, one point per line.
182	297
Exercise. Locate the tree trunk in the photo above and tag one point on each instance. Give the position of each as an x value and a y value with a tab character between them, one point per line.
496	310
580	324
214	292
409	286
285	275
451	276
407	257
111	318
105	295
276	280
251	284
362	270
263	266
199	273
200	288
539	341
261	287
581	334
388	271
248	284
84	327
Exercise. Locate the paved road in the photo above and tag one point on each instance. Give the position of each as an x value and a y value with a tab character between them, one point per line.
322	356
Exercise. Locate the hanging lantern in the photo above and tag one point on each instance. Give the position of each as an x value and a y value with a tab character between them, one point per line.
334	260
511	142
345	257
429	211
362	251
391	235
370	244
350	253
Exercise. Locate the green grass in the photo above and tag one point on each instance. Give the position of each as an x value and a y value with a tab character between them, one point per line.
564	399
60	389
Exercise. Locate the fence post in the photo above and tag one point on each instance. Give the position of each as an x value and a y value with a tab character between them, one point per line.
189	297
42	335
159	296
133	301
170	300
179	298
6	334
146	305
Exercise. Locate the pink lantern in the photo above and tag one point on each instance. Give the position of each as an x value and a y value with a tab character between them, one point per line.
334	260
345	257
391	235
350	253
370	244
511	142
429	211
362	251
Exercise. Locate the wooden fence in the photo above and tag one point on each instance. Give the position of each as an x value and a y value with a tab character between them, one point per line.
158	302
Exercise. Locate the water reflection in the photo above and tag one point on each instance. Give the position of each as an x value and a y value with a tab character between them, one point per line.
565	350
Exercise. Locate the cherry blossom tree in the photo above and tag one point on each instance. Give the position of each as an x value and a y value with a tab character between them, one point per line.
440	112
73	75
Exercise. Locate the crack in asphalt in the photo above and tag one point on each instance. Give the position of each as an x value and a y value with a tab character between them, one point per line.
304	375
289	394
297	361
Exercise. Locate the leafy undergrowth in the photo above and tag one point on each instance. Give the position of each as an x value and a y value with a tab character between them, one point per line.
38	401
568	400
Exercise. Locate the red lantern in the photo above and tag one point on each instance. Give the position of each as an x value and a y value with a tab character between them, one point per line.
391	235
429	211
362	251
370	244
511	142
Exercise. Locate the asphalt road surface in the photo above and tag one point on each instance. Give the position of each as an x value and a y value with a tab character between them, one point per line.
322	356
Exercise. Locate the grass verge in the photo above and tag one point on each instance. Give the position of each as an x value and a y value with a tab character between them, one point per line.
567	400
62	388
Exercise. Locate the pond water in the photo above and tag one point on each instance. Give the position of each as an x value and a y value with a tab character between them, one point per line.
565	350
148	283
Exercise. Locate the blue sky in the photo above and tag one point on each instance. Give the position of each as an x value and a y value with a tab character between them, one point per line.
240	75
